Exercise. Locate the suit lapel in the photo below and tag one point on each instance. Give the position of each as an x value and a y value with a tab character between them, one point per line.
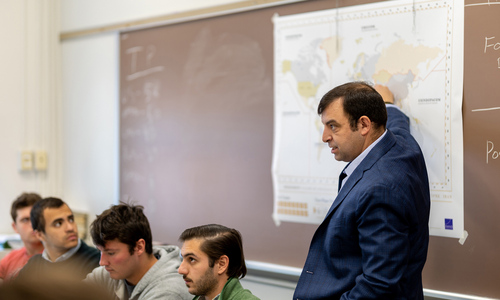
375	154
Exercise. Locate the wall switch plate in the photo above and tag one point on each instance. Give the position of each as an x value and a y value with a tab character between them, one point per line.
26	160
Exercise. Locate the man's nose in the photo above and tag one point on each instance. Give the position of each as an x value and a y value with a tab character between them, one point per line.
182	270
326	137
103	261
70	226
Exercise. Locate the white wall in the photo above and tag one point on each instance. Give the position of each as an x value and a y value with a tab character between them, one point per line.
78	15
90	118
29	114
12	115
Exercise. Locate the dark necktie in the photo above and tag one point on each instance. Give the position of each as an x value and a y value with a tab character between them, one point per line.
341	177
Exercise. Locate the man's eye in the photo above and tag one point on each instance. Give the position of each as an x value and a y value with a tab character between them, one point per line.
188	259
25	220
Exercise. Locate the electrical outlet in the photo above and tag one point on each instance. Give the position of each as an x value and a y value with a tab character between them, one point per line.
40	160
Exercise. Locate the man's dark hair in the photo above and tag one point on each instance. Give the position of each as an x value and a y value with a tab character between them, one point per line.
360	99
36	215
220	240
124	222
24	200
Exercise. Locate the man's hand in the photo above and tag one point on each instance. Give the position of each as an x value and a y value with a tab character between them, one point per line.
385	93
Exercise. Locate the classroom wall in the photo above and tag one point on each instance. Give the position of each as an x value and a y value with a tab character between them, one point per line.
89	114
11	105
29	103
78	15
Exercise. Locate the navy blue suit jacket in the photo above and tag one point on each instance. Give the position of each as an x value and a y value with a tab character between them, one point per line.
373	242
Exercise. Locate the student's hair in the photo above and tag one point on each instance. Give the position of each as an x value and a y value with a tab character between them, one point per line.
360	99
24	200
124	222
220	240
36	215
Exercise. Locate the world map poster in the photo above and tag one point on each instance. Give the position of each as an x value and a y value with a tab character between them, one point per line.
413	47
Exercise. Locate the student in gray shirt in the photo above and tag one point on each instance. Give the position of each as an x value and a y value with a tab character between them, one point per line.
131	268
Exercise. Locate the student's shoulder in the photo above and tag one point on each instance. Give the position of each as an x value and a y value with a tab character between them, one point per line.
245	295
36	259
87	250
165	290
234	290
12	255
171	250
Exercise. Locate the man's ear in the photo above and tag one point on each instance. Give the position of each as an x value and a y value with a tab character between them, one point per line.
222	264
14	227
39	235
364	125
140	246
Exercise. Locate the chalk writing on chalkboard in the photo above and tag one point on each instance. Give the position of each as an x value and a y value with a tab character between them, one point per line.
492	44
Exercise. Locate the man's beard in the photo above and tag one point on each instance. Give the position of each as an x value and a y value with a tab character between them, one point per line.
206	284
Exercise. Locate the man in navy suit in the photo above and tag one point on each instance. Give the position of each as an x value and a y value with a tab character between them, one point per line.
373	241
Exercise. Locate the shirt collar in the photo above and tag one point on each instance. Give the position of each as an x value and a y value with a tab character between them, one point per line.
65	256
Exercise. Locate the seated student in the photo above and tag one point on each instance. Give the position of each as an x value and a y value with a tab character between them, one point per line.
130	267
12	263
54	224
213	262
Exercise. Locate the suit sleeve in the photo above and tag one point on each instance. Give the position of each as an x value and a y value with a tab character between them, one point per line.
397	122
